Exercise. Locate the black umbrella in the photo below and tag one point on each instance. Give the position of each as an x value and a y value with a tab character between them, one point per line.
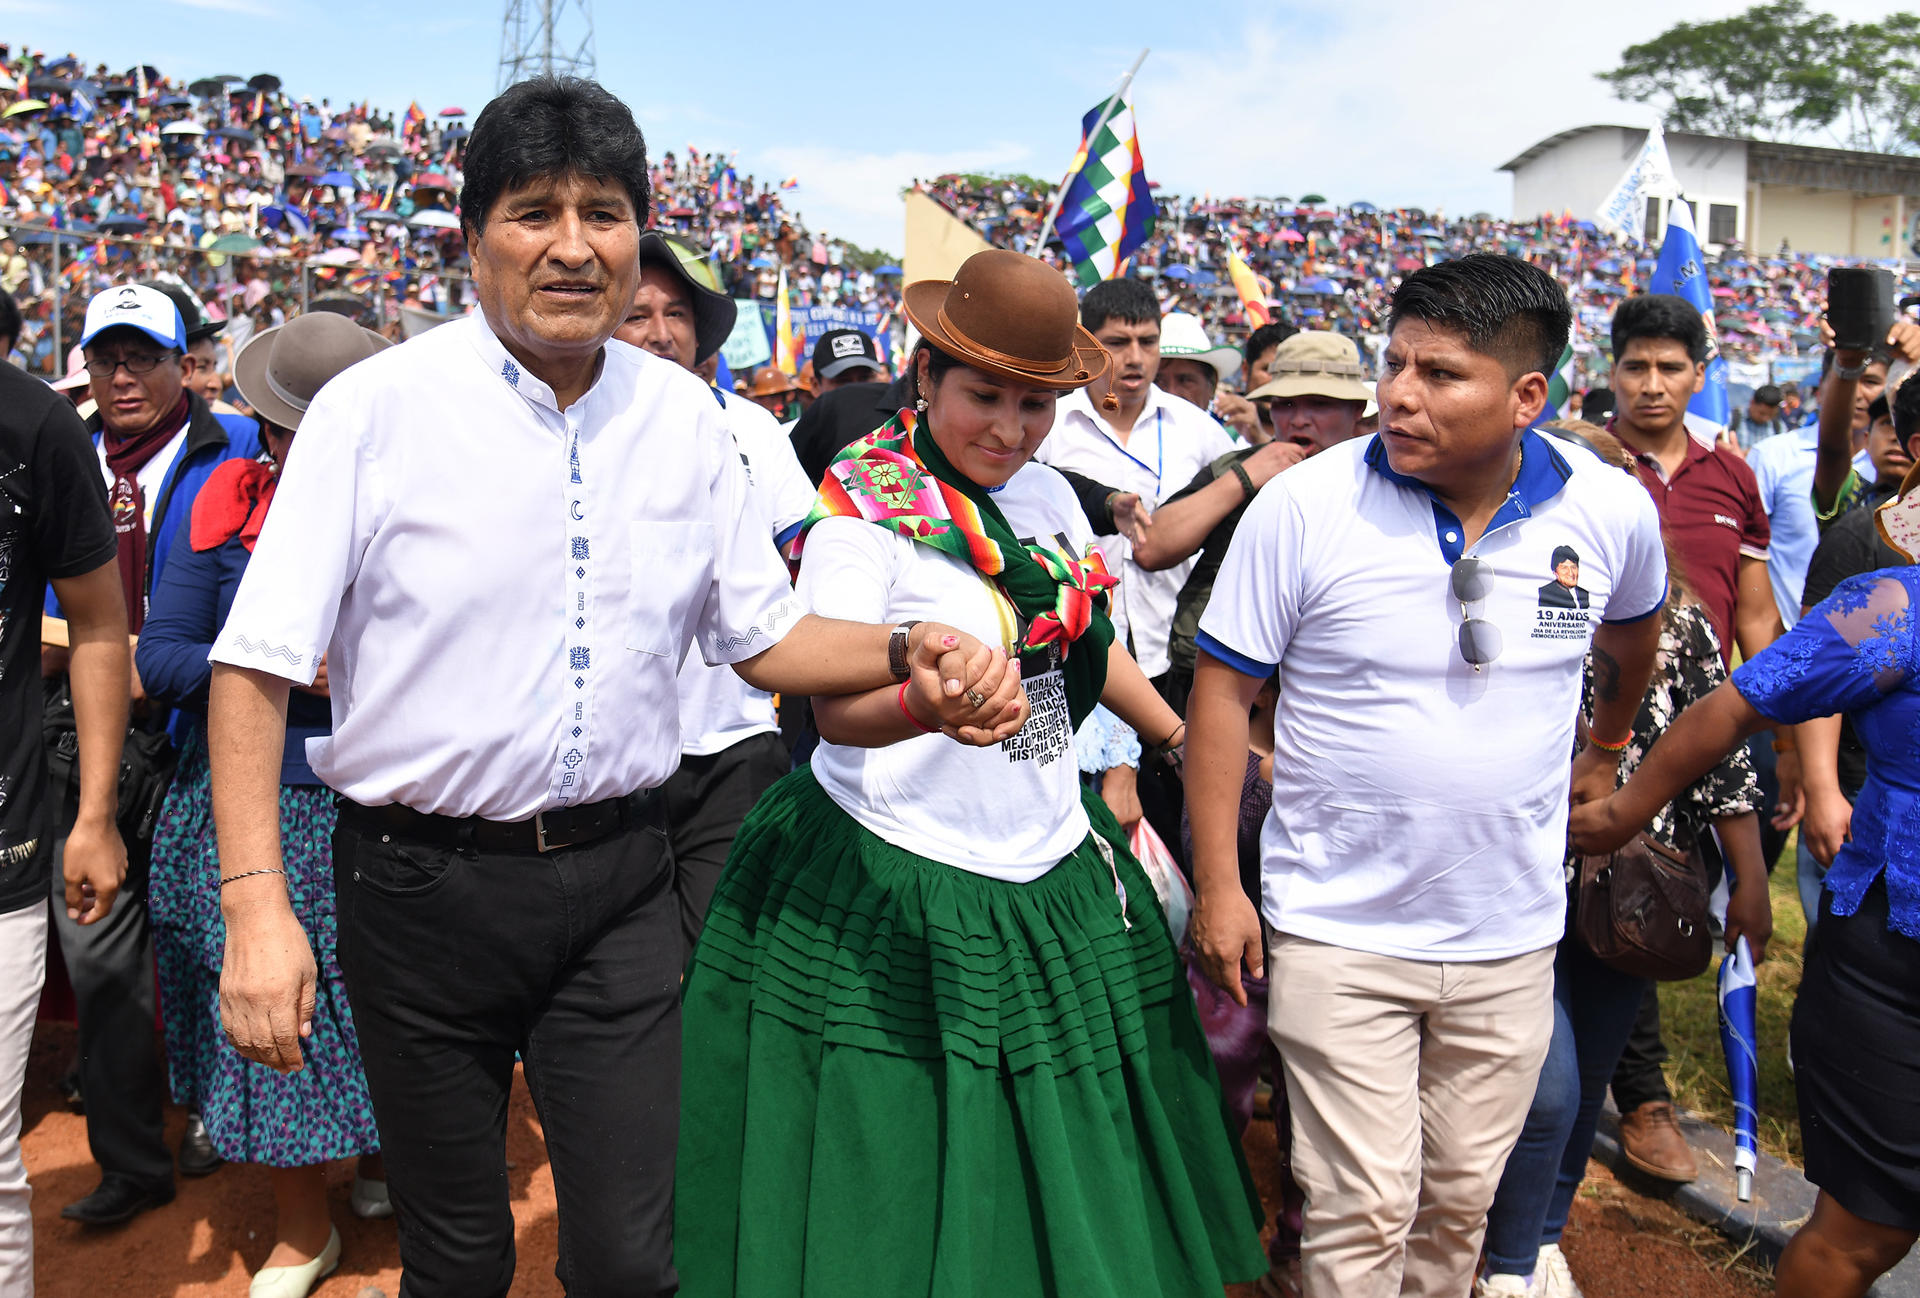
153	74
173	101
349	305
239	133
265	82
118	90
123	223
63	64
207	87
44	84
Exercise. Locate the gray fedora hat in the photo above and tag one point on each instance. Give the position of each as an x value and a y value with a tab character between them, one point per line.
280	369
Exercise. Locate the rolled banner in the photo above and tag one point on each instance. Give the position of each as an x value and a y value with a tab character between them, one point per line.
1737	997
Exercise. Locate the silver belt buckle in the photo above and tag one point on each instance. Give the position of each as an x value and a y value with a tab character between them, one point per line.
540	833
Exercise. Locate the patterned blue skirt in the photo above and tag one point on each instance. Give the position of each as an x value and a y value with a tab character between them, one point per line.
253	1114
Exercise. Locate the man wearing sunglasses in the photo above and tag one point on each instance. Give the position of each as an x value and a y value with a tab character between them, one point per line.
1413	889
157	442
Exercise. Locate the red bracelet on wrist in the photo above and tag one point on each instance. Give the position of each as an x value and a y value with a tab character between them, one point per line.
907	712
1610	745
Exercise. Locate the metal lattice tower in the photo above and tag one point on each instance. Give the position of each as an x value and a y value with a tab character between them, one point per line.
545	37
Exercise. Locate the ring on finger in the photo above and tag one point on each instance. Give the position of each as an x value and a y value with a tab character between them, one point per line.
976	698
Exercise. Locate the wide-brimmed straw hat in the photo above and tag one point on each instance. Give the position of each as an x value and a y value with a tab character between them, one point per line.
280	369
1011	316
1316	363
1184	338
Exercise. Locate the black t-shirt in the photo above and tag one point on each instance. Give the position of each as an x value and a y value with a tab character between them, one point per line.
53	523
1849	547
842	417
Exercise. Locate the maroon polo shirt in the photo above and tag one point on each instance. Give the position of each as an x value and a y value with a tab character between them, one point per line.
1711	509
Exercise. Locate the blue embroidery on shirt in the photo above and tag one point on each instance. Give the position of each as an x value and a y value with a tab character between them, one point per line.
573	757
579	657
510	372
580	547
573	457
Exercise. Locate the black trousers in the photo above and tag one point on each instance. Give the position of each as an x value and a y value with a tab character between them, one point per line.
110	965
707	798
457	960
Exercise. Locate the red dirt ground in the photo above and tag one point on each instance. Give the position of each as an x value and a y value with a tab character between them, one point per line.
209	1240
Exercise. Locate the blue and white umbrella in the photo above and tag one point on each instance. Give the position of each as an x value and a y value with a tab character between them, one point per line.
1737	997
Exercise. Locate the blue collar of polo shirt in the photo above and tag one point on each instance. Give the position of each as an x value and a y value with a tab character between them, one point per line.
1543	474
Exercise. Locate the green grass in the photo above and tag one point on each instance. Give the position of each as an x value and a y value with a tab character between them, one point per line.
1689	1013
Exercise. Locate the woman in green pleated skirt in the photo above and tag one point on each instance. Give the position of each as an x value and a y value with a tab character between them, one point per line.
937	1039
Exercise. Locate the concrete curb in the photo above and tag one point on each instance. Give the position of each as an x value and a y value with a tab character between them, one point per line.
1782	1197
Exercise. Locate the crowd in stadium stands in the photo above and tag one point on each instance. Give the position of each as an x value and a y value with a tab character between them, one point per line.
1335	267
261	200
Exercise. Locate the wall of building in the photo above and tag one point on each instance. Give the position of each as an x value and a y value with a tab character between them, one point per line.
1577	174
1828	221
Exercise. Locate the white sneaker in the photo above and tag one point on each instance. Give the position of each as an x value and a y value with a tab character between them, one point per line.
1556	1281
1504	1286
370	1199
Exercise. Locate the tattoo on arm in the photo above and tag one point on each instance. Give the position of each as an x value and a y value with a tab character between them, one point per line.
1606	676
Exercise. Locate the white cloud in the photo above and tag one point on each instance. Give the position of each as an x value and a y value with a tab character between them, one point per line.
856	195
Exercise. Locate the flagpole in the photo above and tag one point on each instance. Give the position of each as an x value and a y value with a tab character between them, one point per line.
1106	114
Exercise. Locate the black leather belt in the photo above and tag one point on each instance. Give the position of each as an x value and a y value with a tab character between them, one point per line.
548	831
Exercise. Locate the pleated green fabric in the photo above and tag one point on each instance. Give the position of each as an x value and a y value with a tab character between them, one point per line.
903	1079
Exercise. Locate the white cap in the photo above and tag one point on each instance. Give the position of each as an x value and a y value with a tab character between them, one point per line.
138	307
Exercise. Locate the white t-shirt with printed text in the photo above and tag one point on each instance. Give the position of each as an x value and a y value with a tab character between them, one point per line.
1011	811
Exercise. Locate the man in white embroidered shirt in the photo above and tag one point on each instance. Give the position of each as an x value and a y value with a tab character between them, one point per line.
1412	873
502	537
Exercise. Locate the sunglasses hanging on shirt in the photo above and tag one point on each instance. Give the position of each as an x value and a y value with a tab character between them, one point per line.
1472	581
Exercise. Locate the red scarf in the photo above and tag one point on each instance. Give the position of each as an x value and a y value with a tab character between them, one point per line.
233	503
125	458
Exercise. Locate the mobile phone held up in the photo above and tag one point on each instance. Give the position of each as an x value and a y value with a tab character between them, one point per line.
1860	307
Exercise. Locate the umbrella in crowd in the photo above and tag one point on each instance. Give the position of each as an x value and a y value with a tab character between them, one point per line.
123	223
265	82
433	218
25	106
183	128
337	180
234	243
237	133
1737	997
453	112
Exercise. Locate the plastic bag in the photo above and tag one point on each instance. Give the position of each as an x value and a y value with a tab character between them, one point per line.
1169	885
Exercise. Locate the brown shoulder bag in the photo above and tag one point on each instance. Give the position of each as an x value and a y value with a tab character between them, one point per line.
1643	910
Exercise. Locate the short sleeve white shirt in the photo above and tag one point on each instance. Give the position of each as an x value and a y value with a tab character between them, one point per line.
504	590
1172	440
1419	805
717	708
1010	811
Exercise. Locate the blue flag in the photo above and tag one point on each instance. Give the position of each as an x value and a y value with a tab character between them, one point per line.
1682	272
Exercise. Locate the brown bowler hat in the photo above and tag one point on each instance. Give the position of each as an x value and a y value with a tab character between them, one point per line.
1011	316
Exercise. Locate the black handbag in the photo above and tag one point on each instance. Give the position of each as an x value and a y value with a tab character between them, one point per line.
1643	910
147	762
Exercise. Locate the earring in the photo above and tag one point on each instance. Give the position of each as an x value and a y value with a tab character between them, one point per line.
920	404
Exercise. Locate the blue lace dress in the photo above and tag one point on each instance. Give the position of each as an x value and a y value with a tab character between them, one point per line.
1856	1022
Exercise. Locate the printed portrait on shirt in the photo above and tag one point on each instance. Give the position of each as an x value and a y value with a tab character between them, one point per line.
1564	602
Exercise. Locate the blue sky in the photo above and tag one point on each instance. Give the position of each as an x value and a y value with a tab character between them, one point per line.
1382	100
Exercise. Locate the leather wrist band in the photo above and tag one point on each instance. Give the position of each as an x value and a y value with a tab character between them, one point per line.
907	712
897	650
1246	481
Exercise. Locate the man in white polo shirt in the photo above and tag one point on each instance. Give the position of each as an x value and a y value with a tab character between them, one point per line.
1412	872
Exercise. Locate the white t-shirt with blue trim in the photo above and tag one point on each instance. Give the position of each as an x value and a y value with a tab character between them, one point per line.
1420	805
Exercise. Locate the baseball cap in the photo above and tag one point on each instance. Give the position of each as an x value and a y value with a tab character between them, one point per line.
135	306
840	350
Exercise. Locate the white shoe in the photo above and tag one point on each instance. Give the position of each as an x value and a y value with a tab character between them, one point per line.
297	1281
1555	1280
1504	1286
370	1199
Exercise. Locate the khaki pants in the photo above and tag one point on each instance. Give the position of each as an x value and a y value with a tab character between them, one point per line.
1409	1083
23	964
